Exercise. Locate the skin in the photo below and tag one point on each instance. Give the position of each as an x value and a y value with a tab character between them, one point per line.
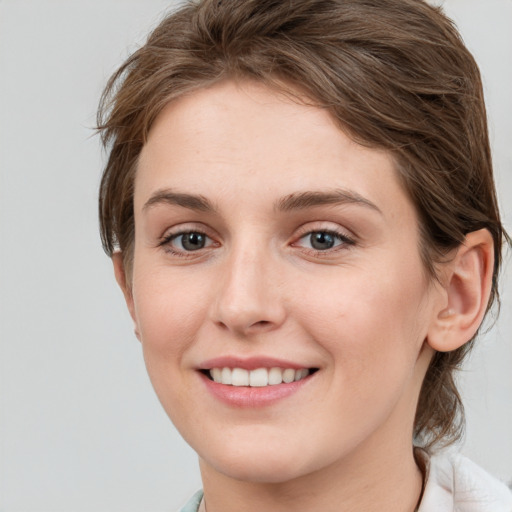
360	312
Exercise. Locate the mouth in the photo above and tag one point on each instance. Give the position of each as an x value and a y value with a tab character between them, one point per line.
257	378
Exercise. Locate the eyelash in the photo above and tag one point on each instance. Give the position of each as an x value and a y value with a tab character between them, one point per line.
345	242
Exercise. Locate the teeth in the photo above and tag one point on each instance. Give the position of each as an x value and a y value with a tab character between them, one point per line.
260	377
226	376
300	374
288	375
239	377
275	376
216	374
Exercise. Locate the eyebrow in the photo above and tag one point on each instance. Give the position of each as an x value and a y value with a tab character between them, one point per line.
291	202
303	200
190	201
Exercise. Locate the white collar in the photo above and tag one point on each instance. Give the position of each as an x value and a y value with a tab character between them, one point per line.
455	484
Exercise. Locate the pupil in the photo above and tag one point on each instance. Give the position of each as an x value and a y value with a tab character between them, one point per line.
322	241
193	241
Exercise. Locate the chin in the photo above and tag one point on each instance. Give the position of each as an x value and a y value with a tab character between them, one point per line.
264	462
259	471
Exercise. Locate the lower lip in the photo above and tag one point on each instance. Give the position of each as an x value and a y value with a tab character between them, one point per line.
251	397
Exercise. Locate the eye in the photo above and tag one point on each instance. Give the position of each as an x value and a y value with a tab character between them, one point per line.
189	241
323	240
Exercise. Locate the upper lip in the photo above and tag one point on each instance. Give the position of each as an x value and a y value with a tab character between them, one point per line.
250	363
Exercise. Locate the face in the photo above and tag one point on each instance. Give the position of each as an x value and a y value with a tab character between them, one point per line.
277	285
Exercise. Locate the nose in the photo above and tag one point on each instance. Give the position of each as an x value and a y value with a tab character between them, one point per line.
250	297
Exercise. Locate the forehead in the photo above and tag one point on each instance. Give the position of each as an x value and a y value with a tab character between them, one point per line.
238	140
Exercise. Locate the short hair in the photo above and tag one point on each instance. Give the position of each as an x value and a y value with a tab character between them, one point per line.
395	75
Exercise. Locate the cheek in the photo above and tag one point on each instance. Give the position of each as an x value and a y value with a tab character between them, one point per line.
370	323
168	315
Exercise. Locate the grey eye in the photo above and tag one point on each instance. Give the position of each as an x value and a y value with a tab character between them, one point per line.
192	241
322	240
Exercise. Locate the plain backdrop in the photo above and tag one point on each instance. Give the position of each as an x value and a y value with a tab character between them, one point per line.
80	427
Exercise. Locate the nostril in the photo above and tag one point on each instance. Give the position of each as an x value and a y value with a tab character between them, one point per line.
261	325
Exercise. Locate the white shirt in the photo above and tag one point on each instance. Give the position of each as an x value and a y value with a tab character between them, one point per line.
455	484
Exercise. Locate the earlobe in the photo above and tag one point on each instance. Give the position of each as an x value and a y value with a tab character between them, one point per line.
467	286
124	283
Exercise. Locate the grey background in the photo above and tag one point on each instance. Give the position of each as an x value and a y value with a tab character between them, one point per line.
80	427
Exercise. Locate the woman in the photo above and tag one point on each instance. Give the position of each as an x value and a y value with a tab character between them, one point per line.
300	208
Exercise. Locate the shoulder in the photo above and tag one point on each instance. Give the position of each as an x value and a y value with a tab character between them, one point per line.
454	483
194	502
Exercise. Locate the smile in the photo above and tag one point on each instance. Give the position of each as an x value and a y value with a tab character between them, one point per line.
254	382
259	377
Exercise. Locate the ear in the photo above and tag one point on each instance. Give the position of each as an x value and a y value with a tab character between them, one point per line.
467	285
124	283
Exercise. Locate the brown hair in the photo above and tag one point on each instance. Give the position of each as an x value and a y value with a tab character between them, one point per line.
394	73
